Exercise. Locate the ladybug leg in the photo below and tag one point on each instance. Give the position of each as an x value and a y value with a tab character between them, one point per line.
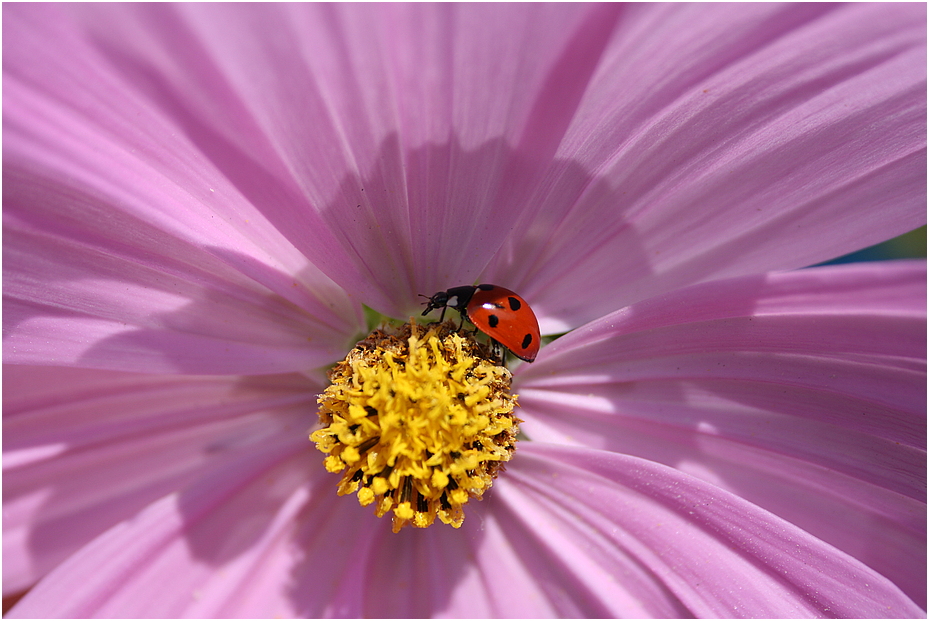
442	316
464	317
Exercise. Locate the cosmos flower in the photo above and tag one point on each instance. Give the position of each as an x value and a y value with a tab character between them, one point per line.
199	202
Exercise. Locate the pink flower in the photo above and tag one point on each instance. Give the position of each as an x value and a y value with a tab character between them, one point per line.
198	200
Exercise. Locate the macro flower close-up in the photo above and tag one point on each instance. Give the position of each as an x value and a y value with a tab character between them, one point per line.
252	367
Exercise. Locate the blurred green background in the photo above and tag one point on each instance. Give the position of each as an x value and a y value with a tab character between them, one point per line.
910	245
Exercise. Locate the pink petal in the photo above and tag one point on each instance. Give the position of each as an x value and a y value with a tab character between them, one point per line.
262	535
74	302
84	450
365	135
802	392
403	125
615	536
724	140
127	247
566	532
397	147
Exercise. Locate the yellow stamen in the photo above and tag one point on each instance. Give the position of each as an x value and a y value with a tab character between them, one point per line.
421	421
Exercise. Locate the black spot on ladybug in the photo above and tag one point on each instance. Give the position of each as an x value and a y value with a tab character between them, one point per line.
514	303
527	340
486	287
493	320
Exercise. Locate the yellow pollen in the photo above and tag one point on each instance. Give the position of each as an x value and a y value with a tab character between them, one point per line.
420	422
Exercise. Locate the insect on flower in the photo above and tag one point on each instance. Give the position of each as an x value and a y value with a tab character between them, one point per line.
499	313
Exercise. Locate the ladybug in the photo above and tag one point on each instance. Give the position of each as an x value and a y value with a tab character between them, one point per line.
497	312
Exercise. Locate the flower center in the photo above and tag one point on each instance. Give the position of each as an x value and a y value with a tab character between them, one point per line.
420	421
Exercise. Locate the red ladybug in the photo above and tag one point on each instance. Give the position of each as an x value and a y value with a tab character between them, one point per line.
497	312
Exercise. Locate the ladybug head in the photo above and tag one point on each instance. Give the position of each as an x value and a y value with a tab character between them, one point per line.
439	300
